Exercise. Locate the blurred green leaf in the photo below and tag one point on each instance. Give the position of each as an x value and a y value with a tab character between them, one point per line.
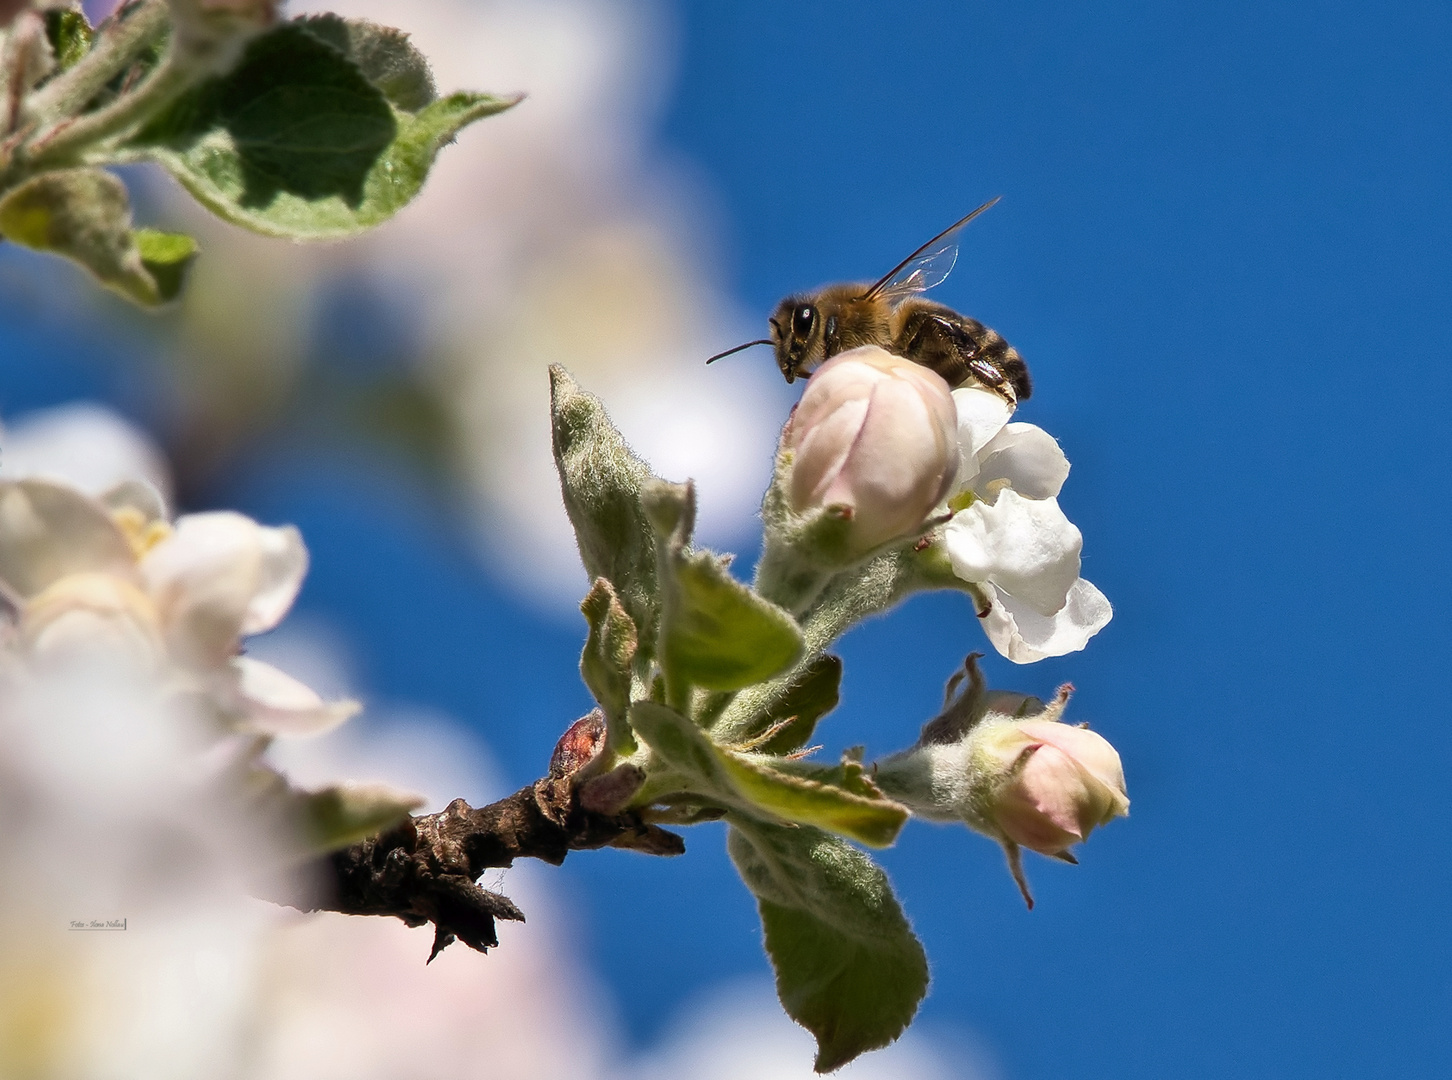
848	967
346	813
85	215
600	480
166	257
385	57
297	142
70	35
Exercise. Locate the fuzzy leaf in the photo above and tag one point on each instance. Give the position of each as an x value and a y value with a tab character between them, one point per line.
385	56
600	480
605	663
296	141
848	967
831	799
715	632
69	34
784	716
346	813
85	215
838	798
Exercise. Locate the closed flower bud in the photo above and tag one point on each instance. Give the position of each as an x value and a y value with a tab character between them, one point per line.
1056	784
874	441
1006	766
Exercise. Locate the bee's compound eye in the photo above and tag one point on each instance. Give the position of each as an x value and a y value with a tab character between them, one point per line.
802	320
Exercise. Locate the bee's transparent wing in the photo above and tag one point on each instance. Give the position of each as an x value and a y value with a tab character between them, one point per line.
921	274
928	266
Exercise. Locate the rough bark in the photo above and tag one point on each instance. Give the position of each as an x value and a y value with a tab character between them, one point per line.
425	870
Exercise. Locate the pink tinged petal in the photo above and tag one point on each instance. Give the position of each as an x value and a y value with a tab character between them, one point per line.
1041	806
220	576
1024	636
1028	457
1026	547
822	454
874	433
1103	770
271	702
50	530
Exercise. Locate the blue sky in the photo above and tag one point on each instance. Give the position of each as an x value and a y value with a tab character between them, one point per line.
1225	250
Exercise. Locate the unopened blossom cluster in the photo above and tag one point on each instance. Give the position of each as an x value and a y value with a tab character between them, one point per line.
883	445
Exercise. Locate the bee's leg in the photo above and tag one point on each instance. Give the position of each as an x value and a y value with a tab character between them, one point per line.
947	346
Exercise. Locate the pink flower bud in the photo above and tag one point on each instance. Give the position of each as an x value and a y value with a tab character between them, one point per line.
875	439
1058	783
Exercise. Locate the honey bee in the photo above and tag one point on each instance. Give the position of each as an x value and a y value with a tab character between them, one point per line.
808	329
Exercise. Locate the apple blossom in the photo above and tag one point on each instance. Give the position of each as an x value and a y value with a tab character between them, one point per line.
1008	767
110	576
872	441
1009	536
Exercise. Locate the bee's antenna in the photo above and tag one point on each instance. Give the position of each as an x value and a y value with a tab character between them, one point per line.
877	286
728	352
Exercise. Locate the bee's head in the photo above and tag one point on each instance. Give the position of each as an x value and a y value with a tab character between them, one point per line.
796	334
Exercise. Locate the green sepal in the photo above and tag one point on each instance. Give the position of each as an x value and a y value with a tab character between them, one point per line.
85	215
839	800
600	480
69	34
605	664
716	633
167	257
295	141
848	967
784	713
337	816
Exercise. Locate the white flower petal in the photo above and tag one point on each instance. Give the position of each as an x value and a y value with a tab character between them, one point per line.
49	530
83	445
220	576
284	565
1026	547
1028	457
1024	636
981	416
274	703
138	496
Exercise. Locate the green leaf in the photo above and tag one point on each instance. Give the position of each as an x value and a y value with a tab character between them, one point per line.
605	664
346	813
297	142
715	632
166	256
85	215
848	967
686	751
70	35
600	480
383	54
838	799
783	714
